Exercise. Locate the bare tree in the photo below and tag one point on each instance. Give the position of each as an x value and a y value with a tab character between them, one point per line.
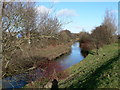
29	19
16	17
110	23
105	33
97	36
21	17
48	23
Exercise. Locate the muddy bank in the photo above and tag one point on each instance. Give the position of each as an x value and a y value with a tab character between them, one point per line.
33	57
51	54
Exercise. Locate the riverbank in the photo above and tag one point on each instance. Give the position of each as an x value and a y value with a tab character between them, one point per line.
25	59
95	71
49	54
53	52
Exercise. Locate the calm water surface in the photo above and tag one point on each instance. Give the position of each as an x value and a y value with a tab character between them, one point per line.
63	62
72	58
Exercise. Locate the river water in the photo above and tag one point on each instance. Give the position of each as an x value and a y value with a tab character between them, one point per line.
72	58
62	63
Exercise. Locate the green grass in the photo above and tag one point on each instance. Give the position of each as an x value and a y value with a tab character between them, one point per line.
95	71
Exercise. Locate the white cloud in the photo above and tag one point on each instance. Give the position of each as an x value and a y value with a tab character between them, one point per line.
55	1
67	12
43	9
114	11
78	27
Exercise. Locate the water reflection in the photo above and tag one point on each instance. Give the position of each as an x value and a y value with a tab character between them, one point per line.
74	57
84	52
60	64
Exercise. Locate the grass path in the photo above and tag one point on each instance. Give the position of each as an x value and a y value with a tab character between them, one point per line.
95	71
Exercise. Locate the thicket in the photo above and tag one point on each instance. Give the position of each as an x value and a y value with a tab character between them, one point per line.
101	35
24	32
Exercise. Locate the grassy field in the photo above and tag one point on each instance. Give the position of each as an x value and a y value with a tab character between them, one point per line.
95	71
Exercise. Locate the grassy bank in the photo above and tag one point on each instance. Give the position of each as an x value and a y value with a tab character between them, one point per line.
95	71
53	52
29	57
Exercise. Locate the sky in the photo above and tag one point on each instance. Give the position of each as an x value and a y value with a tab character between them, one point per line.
83	16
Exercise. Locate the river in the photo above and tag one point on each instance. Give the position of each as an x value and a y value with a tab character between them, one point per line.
72	58
62	63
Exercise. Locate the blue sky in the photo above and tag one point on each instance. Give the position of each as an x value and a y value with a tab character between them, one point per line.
83	15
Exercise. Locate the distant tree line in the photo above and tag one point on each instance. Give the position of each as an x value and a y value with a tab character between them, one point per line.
101	35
